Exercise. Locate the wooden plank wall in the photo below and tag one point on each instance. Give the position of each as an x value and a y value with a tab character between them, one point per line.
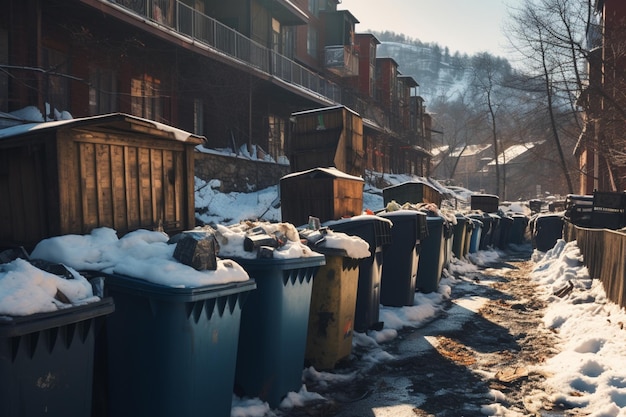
124	184
604	255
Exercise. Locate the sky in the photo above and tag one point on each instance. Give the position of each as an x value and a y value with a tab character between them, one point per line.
462	25
589	369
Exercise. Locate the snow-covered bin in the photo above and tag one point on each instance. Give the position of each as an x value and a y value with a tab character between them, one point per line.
48	327
171	322
272	338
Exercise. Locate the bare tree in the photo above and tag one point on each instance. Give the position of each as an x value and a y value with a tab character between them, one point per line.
486	82
550	36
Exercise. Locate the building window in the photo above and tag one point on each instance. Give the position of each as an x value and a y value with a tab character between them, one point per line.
276	137
102	91
145	98
276	36
56	64
314	7
289	41
311	42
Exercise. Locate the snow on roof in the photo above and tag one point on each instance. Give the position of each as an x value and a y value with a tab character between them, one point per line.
469	150
334	172
513	152
27	128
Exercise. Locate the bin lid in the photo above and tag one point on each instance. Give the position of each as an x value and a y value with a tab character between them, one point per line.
374	229
12	326
287	263
145	288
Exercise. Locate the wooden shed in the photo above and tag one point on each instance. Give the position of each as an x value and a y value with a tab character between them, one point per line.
414	192
327	137
326	193
116	170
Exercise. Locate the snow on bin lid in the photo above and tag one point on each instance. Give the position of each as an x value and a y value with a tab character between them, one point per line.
26	289
140	254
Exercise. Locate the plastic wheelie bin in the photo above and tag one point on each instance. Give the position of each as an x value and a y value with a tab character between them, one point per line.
518	230
496	230
331	316
460	234
432	256
469	230
477	229
272	338
506	224
401	256
376	231
448	242
487	229
47	361
547	229
171	351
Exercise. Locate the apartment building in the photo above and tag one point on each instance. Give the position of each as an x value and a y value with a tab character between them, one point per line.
233	71
601	143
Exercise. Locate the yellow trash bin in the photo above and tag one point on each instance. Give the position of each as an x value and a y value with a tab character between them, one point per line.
333	304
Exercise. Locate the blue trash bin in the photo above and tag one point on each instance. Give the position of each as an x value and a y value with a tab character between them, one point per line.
432	256
47	361
401	256
274	323
477	230
518	230
171	351
547	229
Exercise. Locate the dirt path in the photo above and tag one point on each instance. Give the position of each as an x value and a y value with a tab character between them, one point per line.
466	358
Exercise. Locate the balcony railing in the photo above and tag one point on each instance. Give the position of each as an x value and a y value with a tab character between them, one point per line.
342	60
208	31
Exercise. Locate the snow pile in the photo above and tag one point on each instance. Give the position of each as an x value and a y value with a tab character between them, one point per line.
589	372
140	254
26	289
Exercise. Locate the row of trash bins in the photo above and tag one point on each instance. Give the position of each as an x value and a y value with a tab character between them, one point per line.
148	349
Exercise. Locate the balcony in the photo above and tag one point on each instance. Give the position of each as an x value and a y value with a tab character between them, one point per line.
341	60
198	28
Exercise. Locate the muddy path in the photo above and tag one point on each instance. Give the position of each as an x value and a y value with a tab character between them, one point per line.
479	351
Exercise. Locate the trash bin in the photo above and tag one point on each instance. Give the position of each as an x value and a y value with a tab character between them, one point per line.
376	231
460	233
469	230
47	361
487	230
506	223
171	351
331	316
448	242
401	256
518	229
476	235
496	230
548	228
432	256
272	338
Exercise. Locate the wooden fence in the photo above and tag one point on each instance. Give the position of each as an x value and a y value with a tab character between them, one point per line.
604	255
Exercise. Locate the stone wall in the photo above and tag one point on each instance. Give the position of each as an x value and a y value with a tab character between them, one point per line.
238	173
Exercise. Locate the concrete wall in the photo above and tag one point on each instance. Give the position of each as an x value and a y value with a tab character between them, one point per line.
238	173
